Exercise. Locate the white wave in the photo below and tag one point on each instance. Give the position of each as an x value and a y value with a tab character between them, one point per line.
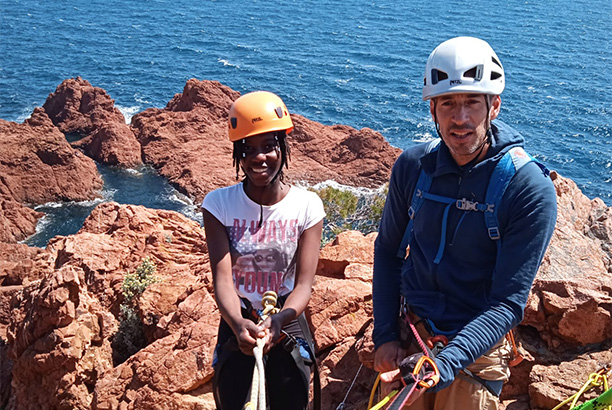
423	137
359	191
339	81
41	226
108	194
176	196
26	113
128	112
193	213
49	205
55	205
134	171
140	99
227	63
251	48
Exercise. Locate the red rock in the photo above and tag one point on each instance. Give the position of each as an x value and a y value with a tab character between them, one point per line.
17	221
62	326
76	107
38	165
551	384
570	302
112	144
338	368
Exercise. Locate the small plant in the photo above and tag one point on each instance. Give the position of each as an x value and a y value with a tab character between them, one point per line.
134	284
350	209
130	337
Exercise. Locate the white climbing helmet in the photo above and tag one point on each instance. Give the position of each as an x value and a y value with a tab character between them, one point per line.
463	65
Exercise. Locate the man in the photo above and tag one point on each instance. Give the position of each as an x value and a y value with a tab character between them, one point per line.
461	278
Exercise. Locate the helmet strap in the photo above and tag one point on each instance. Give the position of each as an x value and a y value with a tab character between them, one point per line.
435	114
489	133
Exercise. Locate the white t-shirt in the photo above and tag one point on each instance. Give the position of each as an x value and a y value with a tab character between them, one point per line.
263	258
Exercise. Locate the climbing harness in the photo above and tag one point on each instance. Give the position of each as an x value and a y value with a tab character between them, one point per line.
504	171
258	385
257	397
597	379
420	375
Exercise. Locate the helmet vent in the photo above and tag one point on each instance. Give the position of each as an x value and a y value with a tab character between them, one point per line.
279	112
437	76
234	122
474	72
495	61
495	75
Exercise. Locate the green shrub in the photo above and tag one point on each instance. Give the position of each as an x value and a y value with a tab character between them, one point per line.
130	337
134	284
349	209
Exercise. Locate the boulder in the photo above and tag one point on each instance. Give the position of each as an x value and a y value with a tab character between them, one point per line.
37	165
17	221
78	108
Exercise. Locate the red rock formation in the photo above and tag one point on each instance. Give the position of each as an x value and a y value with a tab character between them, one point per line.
112	144
187	142
570	304
37	165
340	311
61	328
76	107
17	221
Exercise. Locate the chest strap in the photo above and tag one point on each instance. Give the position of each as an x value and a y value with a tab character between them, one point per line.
501	176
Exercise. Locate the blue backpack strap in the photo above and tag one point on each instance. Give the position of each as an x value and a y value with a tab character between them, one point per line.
504	171
423	184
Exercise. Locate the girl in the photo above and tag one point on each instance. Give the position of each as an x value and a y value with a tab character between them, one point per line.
241	222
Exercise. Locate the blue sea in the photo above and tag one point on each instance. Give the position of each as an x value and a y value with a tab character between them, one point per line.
350	62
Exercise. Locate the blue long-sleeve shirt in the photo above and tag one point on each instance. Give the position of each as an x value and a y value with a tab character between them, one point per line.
475	290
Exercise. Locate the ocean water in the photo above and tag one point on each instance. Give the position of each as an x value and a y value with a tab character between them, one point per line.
353	62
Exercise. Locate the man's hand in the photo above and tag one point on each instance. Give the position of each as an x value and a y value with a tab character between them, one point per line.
388	357
391	361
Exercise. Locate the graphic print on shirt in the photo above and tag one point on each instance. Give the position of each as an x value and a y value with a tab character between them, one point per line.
261	256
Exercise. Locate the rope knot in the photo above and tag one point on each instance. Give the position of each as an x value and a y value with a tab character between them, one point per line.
269	301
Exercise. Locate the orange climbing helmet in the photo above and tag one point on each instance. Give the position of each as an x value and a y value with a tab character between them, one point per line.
256	113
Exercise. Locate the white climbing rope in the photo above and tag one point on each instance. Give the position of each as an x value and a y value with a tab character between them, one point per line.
257	400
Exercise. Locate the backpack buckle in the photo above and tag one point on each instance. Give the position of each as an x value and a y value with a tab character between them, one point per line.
466	205
494	233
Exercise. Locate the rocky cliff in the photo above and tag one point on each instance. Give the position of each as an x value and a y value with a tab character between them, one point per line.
61	314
